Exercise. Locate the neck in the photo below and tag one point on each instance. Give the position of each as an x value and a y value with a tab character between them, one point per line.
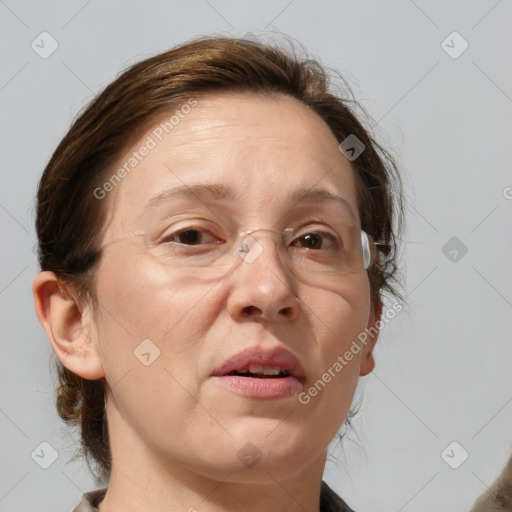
141	481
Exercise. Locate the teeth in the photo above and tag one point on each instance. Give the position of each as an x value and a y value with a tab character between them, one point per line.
264	369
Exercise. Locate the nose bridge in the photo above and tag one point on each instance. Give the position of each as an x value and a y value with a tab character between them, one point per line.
262	283
265	256
260	242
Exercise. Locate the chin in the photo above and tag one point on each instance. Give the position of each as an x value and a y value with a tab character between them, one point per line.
266	468
267	448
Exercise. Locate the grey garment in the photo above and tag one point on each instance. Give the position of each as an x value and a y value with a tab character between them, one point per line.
329	501
90	500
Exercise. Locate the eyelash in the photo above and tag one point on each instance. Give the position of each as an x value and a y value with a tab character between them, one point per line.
168	239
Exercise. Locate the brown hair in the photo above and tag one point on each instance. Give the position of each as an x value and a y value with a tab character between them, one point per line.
70	217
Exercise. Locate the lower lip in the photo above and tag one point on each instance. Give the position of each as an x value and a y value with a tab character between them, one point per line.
253	387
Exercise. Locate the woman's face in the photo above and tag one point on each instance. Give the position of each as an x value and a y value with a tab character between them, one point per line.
162	330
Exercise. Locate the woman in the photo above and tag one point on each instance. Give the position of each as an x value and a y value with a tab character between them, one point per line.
216	231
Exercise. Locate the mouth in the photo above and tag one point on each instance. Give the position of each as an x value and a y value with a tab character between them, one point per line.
259	373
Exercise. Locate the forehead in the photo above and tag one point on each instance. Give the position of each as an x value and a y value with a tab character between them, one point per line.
264	148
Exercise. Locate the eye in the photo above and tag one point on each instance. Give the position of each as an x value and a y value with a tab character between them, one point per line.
191	236
316	240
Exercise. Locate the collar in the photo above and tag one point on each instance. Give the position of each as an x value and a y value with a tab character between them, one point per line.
329	501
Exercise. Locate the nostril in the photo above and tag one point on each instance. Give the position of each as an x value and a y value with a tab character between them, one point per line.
252	310
286	312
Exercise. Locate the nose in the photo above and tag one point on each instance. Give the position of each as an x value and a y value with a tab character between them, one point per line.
262	287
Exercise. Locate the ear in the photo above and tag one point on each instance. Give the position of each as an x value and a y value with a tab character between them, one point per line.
69	328
372	330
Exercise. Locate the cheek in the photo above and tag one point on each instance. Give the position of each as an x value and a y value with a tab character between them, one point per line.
145	299
151	332
145	315
340	313
339	317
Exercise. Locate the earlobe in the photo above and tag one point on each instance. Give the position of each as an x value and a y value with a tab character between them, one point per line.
372	333
69	329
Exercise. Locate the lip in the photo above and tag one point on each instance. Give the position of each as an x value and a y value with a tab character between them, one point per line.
264	388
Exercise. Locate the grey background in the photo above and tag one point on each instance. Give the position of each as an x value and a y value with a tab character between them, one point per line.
442	366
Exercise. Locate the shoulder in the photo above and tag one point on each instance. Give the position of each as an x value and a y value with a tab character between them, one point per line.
331	502
90	501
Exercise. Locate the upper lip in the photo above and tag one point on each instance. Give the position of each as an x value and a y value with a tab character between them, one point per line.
277	356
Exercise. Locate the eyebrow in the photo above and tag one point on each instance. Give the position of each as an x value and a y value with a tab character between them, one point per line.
317	195
220	192
215	192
